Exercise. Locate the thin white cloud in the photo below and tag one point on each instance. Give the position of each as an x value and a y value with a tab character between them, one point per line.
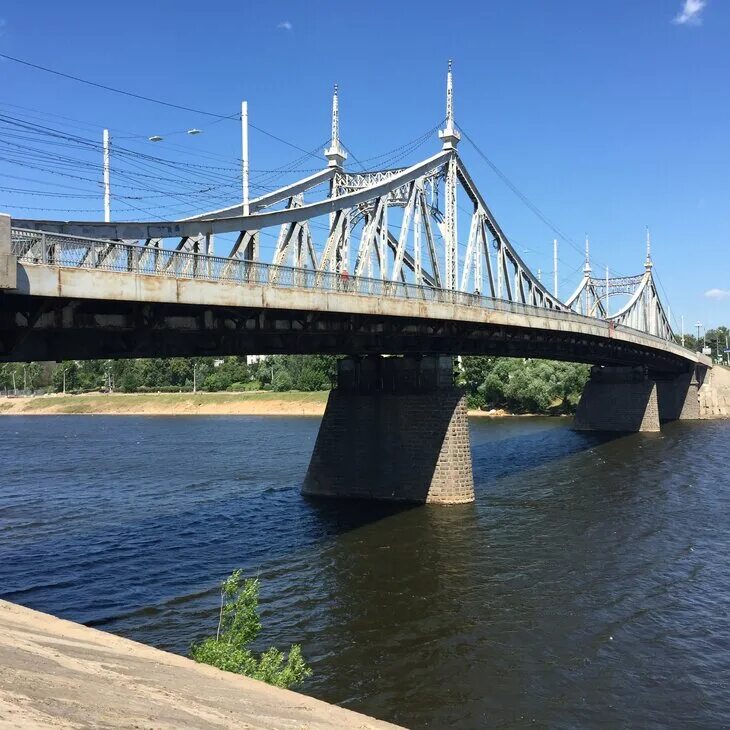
691	12
285	25
718	294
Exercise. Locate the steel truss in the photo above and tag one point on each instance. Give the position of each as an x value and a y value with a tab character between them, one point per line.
394	225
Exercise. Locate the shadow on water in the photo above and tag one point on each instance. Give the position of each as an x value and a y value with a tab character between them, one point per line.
337	516
495	456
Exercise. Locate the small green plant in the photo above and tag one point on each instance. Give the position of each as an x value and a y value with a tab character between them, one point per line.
238	626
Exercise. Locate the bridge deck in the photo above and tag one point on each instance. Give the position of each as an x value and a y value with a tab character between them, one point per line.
288	310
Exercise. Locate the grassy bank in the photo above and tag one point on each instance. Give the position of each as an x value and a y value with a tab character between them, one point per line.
257	403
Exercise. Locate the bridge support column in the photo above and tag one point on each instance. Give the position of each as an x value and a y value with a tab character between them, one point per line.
618	399
679	398
394	429
8	264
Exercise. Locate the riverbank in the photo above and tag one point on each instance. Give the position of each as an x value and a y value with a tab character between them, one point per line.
260	403
56	673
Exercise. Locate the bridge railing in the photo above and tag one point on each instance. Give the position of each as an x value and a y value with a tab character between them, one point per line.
55	249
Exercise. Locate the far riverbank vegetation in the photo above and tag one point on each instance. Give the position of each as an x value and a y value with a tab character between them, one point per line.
512	384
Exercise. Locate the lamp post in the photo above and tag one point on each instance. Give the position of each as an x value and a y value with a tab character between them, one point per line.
106	148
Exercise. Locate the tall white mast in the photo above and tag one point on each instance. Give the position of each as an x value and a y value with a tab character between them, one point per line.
244	155
107	184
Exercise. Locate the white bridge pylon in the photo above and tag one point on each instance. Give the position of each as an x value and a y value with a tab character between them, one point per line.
399	225
643	309
395	225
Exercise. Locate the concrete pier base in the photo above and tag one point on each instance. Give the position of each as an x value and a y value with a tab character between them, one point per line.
395	429
679	398
620	399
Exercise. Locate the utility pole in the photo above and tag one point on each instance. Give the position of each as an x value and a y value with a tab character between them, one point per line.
555	268
195	377
64	381
682	330
15	389
698	325
244	154
107	185
607	292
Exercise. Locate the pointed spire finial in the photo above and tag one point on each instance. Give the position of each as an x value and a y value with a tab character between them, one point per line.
335	154
450	134
648	263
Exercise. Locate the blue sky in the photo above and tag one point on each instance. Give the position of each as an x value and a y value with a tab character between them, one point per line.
607	116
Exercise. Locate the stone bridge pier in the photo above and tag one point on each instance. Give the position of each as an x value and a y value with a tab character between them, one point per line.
630	399
395	429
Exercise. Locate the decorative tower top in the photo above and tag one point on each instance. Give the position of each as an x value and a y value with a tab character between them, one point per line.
334	153
587	267
648	263
450	134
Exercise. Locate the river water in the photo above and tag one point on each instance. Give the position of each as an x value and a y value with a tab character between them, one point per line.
589	585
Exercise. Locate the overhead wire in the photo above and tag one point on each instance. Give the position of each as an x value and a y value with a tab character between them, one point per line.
530	205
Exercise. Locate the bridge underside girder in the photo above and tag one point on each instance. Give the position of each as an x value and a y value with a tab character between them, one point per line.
55	328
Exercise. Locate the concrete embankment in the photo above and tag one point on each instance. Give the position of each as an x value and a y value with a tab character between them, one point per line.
715	394
59	674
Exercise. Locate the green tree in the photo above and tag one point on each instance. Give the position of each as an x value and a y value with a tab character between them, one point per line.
130	377
522	385
282	380
73	381
239	625
91	374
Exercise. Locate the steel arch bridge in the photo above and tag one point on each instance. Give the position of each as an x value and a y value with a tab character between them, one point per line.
395	235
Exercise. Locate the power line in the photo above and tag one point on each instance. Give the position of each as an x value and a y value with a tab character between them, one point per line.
549	223
152	100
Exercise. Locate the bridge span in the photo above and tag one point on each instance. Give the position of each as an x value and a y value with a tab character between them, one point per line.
390	276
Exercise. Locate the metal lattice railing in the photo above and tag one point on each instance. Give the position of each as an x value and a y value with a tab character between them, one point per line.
54	249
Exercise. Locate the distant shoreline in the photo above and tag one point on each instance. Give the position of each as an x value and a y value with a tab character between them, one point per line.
257	403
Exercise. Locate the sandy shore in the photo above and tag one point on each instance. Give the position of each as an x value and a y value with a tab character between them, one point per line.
59	674
179	404
170	404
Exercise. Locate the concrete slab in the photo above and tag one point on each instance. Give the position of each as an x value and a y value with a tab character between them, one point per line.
59	674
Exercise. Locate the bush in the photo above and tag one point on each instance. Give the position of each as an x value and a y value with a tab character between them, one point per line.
282	381
475	401
239	625
535	386
244	387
